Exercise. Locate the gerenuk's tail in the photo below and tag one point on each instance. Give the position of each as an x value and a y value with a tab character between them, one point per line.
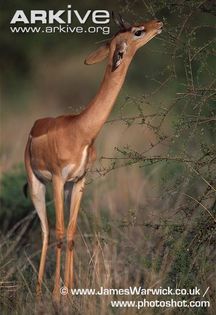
25	189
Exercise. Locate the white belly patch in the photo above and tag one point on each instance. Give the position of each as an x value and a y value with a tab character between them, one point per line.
72	171
45	174
67	170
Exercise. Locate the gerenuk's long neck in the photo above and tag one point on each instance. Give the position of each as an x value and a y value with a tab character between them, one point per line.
96	113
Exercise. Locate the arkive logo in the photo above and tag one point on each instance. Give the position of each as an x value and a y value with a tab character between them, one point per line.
68	21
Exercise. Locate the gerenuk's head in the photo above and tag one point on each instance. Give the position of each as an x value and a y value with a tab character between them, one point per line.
125	42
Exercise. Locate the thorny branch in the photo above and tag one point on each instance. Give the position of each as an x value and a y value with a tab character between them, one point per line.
182	127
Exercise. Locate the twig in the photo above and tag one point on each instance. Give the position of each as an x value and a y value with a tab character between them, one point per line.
211	215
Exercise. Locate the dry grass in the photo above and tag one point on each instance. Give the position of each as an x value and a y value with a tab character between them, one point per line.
121	241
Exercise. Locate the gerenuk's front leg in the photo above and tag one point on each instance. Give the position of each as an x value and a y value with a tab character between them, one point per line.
74	209
58	190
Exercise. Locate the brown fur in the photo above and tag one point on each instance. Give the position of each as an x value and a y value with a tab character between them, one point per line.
62	149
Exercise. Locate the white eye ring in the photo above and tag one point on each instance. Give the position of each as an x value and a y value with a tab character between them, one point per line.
139	33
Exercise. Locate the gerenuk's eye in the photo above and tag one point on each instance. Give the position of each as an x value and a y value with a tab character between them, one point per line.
139	33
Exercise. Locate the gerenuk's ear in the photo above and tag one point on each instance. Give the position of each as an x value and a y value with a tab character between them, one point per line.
98	55
118	55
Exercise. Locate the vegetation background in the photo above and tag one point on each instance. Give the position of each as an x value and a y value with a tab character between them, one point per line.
149	210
